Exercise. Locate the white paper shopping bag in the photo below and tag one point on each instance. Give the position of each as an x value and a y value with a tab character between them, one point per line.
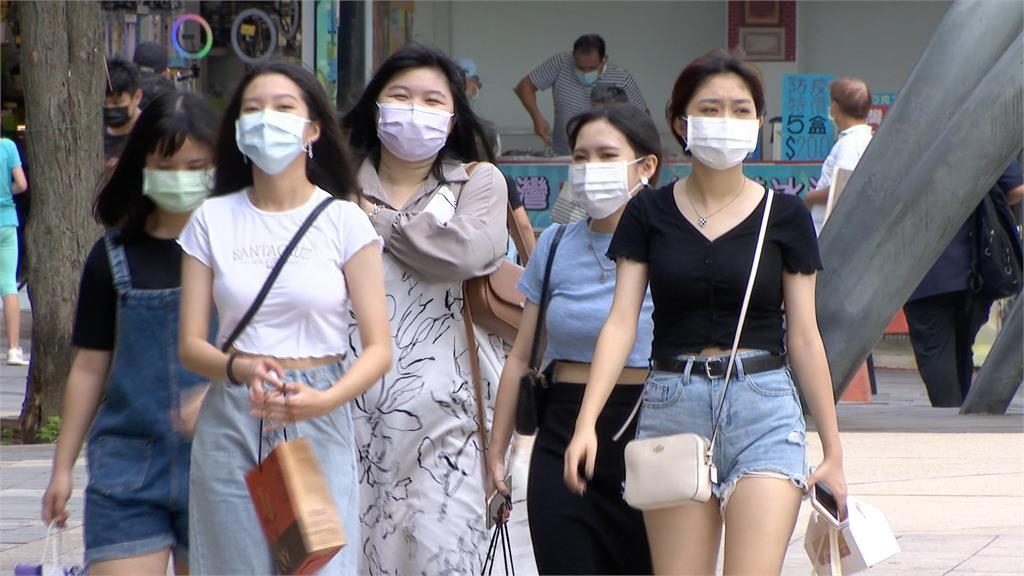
863	540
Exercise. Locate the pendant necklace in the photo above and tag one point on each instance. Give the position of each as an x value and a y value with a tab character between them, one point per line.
605	272
702	221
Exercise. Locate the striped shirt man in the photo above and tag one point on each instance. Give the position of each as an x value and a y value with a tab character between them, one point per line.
571	96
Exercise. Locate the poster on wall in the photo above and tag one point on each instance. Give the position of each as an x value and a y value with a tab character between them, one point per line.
807	132
538	184
880	104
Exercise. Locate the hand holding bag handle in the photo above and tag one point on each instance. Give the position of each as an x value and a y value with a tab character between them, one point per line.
685	460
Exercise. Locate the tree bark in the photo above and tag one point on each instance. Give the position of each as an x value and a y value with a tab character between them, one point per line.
62	61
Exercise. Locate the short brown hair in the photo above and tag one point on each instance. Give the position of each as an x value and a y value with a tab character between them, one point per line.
852	95
697	72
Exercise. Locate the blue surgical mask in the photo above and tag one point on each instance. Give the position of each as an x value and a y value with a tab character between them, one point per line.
587	78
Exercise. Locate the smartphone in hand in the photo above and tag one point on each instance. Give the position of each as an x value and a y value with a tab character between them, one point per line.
495	504
826	504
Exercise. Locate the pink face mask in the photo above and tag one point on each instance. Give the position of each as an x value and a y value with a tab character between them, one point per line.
412	133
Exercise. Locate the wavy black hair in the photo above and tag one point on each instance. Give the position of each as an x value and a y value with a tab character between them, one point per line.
162	129
634	124
468	132
331	167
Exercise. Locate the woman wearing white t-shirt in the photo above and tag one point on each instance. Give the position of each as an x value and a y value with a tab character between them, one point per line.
287	365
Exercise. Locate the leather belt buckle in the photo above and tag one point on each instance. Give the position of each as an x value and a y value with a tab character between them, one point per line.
714	368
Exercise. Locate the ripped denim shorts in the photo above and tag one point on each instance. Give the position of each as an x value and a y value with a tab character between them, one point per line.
762	432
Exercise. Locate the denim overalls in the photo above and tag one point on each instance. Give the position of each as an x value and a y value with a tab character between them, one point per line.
136	500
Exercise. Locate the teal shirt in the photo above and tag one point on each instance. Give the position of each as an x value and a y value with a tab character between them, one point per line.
9	160
582	286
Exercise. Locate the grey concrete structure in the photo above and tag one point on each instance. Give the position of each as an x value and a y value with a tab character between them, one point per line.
954	128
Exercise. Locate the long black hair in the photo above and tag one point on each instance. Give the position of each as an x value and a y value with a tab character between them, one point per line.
331	167
162	129
634	124
464	142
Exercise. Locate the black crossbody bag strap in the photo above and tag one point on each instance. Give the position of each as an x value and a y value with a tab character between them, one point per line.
544	299
274	273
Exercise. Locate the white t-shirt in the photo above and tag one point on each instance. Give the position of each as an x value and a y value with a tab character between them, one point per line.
845	154
306	312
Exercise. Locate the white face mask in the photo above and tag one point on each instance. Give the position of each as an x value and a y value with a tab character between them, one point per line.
271	139
720	143
412	133
177	190
601	188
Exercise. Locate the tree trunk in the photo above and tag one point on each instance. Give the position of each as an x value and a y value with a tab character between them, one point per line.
62	61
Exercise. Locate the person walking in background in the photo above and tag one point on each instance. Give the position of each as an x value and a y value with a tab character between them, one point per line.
572	76
154	77
616	153
441	208
471	77
693	241
850	104
945	313
12	182
280	155
126	378
120	106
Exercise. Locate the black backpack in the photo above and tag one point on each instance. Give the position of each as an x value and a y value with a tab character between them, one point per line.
996	252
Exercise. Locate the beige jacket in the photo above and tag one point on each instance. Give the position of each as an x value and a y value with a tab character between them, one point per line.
471	243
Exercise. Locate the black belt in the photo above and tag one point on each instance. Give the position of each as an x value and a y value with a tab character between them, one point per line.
715	367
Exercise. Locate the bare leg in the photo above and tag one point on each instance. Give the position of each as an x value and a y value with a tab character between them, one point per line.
685	539
154	563
759	522
12	319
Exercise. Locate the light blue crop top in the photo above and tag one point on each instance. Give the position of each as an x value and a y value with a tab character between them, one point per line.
580	300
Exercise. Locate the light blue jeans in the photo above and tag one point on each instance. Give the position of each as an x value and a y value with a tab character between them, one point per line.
225	536
762	428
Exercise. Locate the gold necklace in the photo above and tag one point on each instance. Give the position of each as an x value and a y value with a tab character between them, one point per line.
702	221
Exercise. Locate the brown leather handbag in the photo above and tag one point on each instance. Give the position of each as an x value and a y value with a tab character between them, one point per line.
495	304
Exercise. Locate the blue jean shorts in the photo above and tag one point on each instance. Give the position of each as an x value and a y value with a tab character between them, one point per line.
136	501
762	431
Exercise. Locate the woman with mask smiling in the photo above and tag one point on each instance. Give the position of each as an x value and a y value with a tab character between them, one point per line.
616	153
125	378
443	221
280	156
694	241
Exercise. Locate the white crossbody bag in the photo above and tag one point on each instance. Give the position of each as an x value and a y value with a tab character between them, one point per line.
667	471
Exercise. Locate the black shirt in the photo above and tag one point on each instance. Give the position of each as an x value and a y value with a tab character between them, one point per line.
154	264
697	285
112	144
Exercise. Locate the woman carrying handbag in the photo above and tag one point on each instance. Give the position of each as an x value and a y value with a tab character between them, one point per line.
441	209
283	174
616	154
694	242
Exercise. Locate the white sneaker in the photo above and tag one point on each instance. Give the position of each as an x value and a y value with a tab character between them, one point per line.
15	357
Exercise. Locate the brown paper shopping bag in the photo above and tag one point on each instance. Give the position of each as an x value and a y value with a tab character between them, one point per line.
295	508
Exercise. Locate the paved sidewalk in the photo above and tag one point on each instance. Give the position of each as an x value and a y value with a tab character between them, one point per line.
952	486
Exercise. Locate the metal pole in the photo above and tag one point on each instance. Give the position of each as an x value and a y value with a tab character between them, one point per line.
954	128
1003	372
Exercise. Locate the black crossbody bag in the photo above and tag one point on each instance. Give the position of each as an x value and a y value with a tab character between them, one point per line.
533	385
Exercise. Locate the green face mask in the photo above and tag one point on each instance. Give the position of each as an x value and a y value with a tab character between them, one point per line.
177	190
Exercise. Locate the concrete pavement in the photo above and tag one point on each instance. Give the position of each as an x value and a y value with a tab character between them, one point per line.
951	486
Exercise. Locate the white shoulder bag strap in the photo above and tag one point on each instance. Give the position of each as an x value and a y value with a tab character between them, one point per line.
739	329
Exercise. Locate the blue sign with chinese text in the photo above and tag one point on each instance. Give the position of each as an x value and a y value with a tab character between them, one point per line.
807	133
